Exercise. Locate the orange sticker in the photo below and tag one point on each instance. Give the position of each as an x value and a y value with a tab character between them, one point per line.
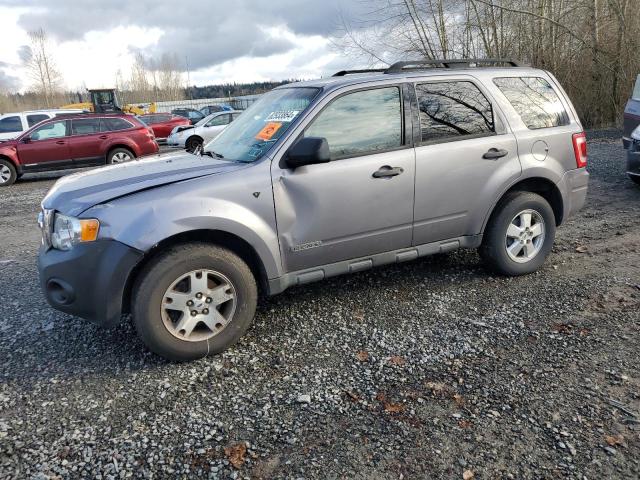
268	131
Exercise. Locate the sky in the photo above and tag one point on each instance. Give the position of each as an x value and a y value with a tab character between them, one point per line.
218	40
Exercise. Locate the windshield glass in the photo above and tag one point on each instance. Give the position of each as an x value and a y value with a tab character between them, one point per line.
260	126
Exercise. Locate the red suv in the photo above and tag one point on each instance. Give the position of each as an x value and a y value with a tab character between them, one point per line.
75	141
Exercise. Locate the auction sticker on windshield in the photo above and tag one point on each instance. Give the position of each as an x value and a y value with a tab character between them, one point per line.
268	131
283	116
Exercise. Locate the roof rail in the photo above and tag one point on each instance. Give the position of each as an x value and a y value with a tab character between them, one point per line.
451	63
342	73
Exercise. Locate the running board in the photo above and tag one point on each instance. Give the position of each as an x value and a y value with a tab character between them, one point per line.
314	274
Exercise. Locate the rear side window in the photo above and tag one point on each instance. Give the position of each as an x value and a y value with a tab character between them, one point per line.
361	123
36	118
218	120
534	100
85	126
10	124
452	110
114	124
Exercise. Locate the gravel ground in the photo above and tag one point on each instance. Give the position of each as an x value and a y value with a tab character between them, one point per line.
431	369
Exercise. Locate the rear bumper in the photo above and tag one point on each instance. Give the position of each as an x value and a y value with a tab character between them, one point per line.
573	187
89	280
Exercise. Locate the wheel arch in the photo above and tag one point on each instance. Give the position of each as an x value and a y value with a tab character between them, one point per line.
13	162
540	185
221	238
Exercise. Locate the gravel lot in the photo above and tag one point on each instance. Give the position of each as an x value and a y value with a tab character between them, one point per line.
432	369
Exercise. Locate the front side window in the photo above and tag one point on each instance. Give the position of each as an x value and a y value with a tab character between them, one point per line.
114	124
218	121
36	118
361	123
85	126
453	110
260	126
10	124
50	130
534	100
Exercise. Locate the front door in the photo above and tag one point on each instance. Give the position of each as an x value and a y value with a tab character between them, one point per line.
361	202
464	158
46	147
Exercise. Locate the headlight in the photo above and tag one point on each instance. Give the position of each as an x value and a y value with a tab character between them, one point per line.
67	231
636	133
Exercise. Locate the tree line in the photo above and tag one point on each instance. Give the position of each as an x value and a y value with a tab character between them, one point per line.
591	46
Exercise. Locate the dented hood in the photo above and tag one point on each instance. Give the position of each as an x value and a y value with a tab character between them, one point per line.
75	193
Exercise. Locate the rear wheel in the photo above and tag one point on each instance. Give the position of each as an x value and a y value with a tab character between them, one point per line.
195	300
8	174
635	179
193	143
520	234
120	155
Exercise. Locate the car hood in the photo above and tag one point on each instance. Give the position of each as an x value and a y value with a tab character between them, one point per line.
75	193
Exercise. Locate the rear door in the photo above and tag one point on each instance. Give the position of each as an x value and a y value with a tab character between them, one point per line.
85	142
464	156
47	146
361	202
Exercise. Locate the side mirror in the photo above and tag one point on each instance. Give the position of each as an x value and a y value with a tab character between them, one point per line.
26	139
308	151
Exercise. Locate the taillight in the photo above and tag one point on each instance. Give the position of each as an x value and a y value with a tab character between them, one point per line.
580	149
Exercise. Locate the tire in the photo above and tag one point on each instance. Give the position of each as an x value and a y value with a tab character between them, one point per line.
120	155
159	284
635	179
8	174
494	249
193	143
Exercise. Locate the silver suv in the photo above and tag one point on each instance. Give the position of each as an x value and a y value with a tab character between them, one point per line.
318	179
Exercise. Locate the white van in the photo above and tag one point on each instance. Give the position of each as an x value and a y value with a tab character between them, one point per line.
13	124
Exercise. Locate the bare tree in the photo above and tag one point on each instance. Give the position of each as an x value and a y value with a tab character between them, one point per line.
40	64
588	44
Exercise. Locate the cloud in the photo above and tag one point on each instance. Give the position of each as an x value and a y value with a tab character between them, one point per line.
8	82
207	33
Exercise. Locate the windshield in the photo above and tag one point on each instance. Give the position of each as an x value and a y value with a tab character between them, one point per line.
260	126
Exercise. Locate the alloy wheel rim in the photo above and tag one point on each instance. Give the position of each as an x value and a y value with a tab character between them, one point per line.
198	305
121	157
525	236
5	174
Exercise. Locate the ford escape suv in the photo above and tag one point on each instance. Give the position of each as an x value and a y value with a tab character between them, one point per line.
317	179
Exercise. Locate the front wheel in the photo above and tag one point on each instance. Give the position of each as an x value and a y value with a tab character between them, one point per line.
520	234
194	300
193	144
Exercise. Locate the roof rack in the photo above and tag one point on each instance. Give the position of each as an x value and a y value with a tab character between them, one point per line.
342	73
451	63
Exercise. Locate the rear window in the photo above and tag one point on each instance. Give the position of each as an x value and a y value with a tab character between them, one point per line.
85	126
36	118
115	124
453	110
10	125
534	100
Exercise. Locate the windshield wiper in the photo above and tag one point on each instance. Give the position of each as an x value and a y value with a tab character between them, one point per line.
212	154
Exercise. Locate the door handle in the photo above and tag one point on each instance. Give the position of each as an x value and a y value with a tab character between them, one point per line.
61	142
494	154
103	137
387	171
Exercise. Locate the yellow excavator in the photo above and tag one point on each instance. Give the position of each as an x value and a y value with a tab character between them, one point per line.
105	100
